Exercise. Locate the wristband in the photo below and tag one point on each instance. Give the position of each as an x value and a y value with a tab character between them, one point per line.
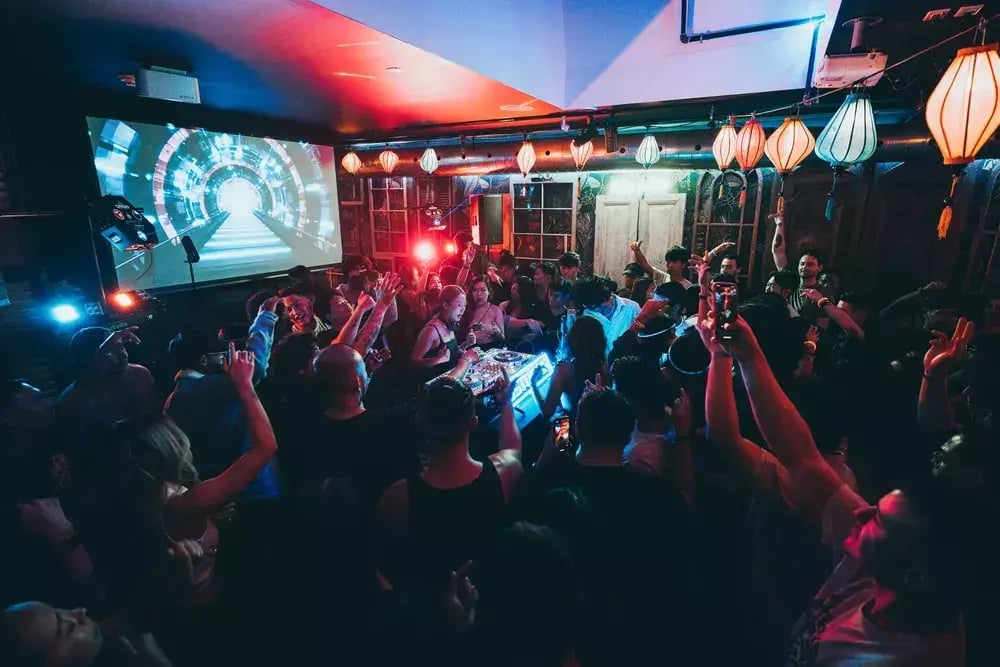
809	346
824	302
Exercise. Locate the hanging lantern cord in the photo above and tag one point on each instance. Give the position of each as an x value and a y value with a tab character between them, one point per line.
944	222
781	194
830	196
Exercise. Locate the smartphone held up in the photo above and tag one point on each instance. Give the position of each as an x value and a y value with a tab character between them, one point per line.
725	307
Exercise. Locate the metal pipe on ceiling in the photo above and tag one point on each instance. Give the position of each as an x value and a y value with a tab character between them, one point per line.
680	150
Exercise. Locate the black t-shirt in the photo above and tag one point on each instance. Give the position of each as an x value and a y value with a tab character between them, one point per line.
631	535
371	451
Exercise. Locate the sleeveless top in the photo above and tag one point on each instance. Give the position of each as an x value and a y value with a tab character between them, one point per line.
428	374
448	527
203	578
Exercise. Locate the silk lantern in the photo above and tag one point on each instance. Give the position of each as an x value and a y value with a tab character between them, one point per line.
963	112
648	152
724	148
849	138
786	148
388	159
749	150
429	161
351	163
581	154
526	158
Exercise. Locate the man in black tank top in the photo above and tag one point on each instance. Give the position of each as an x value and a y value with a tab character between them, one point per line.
431	523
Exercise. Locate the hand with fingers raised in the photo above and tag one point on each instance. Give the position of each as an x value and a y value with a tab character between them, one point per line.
945	353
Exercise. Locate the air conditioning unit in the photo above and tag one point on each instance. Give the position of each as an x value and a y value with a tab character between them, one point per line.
839	71
168	84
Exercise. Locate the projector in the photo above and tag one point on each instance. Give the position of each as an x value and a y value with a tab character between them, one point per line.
839	71
168	84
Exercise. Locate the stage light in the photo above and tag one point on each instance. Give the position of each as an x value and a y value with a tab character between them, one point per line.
424	251
65	313
449	248
124	300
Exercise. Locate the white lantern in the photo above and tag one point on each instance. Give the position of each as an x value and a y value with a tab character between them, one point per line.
581	154
351	163
429	161
849	138
648	152
526	158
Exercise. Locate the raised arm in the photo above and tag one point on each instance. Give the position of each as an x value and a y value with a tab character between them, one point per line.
640	258
212	494
811	480
467	258
385	292
508	459
778	244
933	406
262	337
836	314
349	332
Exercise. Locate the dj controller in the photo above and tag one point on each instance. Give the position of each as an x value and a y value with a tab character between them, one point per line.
520	369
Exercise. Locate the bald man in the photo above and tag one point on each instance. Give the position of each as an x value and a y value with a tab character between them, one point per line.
367	448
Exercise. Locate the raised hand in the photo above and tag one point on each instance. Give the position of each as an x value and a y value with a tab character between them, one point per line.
503	388
469	255
387	287
635	246
121	338
812	334
45	517
590	387
680	413
934	286
239	367
270	305
706	331
701	266
813	295
652	308
944	353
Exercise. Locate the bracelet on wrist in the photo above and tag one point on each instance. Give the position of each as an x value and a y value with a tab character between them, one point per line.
824	302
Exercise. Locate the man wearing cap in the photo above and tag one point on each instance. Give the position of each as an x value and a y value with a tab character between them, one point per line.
633	271
107	388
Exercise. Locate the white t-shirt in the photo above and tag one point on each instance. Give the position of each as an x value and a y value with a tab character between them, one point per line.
834	631
623	311
660	277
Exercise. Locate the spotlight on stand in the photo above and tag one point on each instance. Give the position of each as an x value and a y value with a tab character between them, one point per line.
65	313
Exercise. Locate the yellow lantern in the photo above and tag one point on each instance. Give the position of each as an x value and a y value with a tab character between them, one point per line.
963	112
786	148
388	159
351	163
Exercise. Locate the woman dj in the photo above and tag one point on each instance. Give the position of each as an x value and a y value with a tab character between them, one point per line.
437	350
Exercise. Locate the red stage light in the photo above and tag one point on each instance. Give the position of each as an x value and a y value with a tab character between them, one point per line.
424	251
123	300
449	248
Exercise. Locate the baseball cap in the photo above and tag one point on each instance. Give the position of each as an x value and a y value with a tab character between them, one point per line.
634	269
87	342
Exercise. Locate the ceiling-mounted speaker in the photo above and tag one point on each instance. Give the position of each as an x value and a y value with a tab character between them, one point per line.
122	224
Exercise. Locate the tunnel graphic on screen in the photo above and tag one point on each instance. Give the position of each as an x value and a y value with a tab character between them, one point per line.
252	205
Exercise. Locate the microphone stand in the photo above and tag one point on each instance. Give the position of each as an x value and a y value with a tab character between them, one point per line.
191	271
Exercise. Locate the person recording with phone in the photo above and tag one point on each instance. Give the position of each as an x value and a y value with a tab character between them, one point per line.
205	405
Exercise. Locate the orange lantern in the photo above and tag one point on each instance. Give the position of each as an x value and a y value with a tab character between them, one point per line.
963	112
786	148
388	159
750	144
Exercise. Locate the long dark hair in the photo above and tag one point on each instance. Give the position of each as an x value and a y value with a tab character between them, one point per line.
528	302
466	322
587	347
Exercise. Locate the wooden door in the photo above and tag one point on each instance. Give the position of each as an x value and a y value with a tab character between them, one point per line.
661	226
615	226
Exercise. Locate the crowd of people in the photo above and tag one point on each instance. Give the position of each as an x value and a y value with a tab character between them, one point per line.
718	476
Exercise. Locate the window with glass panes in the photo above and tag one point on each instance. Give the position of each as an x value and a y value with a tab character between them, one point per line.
389	216
543	220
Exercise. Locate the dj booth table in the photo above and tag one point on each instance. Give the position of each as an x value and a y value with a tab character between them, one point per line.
520	368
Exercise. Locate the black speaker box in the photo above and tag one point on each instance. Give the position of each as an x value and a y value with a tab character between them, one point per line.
491	220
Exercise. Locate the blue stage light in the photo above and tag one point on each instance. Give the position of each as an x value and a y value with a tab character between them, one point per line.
65	313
